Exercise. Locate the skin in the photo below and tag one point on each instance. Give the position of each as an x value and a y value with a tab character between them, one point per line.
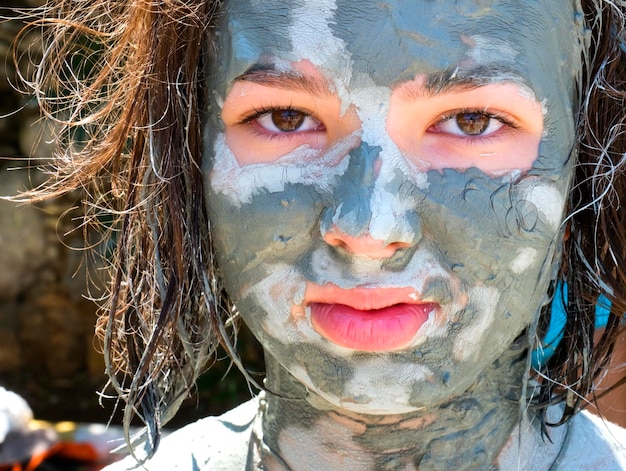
380	198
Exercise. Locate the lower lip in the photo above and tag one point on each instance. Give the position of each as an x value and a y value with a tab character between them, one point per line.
390	328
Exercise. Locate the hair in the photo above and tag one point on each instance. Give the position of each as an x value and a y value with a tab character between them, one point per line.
127	83
594	252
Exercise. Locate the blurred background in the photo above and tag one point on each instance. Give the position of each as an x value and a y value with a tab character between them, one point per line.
47	351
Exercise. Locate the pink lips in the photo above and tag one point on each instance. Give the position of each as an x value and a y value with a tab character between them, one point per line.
366	319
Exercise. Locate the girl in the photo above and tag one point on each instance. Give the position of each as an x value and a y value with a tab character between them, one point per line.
397	198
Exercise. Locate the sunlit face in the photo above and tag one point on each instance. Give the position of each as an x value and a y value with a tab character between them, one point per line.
386	184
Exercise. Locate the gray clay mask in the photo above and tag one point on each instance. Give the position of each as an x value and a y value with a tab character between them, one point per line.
386	211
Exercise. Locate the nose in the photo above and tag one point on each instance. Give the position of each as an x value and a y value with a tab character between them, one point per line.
364	245
370	218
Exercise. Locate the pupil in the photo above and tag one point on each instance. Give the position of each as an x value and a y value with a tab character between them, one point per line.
287	120
472	123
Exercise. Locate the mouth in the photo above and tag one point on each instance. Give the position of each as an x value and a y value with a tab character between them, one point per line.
367	319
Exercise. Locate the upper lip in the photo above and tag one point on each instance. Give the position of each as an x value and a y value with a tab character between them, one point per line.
361	298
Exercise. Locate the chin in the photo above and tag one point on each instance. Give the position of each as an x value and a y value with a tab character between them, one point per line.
375	387
383	404
379	407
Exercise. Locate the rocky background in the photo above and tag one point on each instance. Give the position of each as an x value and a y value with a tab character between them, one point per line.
46	325
47	350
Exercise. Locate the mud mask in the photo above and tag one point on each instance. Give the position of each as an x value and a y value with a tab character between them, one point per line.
386	211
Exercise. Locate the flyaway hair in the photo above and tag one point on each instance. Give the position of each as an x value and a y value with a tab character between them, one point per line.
126	81
595	247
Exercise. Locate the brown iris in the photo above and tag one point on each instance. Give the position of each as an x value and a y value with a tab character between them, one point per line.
473	124
287	120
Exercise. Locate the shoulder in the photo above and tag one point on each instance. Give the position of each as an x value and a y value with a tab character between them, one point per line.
213	443
584	443
593	443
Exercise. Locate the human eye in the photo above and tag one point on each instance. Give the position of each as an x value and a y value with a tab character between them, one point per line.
263	124
471	123
496	127
278	121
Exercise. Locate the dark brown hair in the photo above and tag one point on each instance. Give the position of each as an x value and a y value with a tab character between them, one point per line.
127	82
595	247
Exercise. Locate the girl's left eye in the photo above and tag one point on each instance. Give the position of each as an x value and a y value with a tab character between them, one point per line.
285	120
469	124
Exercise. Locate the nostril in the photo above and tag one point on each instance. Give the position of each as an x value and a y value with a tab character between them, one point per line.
398	245
334	241
362	245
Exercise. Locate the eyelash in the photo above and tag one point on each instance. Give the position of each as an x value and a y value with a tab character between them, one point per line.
507	121
478	140
469	139
262	111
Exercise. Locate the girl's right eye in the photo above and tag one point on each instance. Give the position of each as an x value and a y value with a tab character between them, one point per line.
286	120
264	123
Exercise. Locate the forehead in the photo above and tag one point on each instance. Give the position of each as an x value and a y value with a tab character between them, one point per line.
394	41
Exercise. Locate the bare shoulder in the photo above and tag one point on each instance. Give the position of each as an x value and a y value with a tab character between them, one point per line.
213	443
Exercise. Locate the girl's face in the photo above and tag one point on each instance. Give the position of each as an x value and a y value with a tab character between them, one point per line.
386	184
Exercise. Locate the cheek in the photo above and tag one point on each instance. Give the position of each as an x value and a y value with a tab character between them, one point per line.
490	223
544	199
484	302
524	260
271	307
303	166
265	219
253	239
500	239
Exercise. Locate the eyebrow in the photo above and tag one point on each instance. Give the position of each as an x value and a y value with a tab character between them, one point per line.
459	80
439	83
291	80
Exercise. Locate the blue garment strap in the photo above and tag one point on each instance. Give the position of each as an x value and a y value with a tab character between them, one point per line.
557	324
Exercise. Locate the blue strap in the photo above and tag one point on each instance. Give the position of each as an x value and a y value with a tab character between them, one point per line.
557	324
